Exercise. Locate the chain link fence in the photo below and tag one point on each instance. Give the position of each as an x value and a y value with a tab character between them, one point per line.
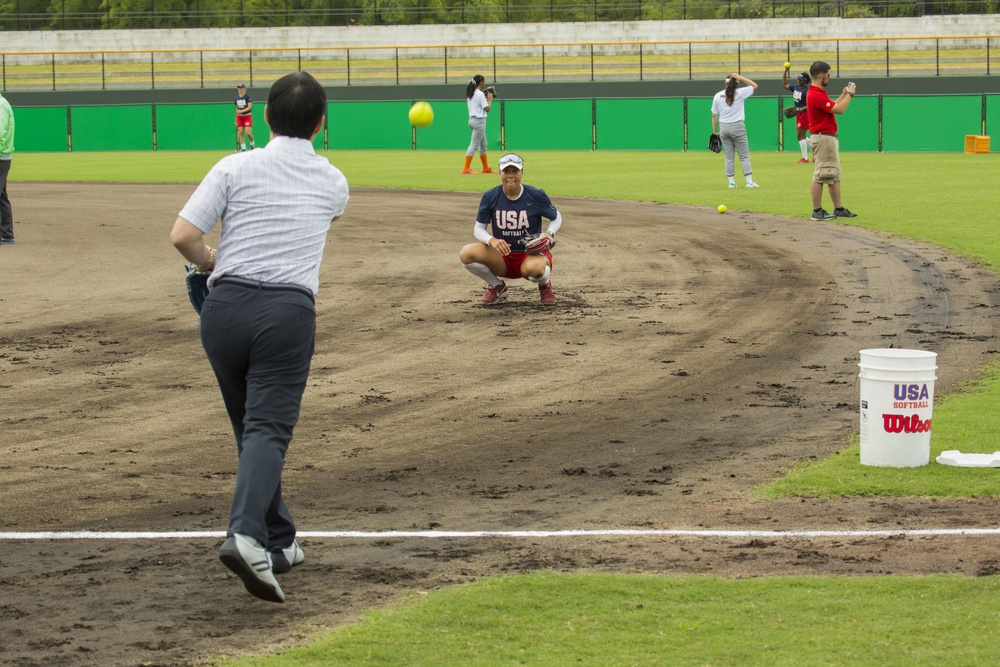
528	63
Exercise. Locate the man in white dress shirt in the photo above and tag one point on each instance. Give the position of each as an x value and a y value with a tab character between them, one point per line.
258	323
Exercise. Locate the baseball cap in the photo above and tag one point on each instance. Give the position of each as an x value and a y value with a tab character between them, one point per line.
511	160
242	85
804	76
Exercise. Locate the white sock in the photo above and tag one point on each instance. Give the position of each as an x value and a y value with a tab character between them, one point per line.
749	179
545	277
732	180
804	145
483	271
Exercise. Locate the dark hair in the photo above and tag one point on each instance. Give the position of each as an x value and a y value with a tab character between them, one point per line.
731	90
296	103
473	84
819	67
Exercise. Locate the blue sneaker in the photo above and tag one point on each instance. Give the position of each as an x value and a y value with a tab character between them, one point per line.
751	184
732	185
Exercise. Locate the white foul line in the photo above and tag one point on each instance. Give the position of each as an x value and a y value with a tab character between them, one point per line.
437	534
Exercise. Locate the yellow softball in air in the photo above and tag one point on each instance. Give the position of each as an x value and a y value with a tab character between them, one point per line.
421	114
787	64
723	208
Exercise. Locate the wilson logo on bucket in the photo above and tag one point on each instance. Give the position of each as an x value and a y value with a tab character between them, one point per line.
905	424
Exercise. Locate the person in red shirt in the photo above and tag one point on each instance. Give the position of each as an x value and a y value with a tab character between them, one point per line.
824	142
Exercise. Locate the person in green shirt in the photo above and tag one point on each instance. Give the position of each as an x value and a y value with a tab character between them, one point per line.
6	153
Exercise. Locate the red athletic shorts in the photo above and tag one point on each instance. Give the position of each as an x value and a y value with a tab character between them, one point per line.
514	261
246	120
802	121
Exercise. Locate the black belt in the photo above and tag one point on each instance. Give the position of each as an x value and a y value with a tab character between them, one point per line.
257	284
829	134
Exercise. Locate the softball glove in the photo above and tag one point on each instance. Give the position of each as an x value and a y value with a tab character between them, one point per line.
715	143
536	245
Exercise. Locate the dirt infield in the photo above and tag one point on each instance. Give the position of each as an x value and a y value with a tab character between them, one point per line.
688	360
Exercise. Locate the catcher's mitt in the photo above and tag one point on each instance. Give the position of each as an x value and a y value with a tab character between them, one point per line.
197	286
493	90
715	143
790	112
196	280
537	244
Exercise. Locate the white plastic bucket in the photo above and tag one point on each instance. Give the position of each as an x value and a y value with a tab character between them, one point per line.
897	400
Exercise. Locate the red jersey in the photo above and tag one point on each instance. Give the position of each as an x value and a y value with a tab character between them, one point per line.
821	118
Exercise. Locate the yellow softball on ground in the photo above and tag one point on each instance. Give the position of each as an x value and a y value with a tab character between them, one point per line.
787	64
723	208
421	114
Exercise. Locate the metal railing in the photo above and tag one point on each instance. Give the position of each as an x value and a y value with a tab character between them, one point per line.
141	14
972	55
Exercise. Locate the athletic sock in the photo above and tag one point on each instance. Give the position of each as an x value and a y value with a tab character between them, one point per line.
483	271
485	160
468	162
804	145
545	277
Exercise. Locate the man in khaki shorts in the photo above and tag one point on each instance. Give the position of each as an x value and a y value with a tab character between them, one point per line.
824	141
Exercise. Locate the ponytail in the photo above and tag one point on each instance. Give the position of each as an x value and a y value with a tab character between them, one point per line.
731	84
474	82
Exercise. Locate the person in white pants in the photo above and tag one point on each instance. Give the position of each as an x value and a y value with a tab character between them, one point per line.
728	118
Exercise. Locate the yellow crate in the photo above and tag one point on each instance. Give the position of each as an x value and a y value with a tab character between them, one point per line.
977	144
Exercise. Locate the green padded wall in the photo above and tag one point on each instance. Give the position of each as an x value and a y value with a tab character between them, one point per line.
790	136
858	126
930	123
40	129
205	127
993	120
761	122
369	126
199	127
548	125
115	128
908	123
640	124
450	129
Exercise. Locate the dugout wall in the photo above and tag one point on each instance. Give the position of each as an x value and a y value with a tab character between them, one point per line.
898	123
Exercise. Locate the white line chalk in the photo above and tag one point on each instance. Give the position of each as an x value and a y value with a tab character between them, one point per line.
441	534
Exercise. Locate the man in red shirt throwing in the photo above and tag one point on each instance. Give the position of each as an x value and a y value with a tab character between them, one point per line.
824	143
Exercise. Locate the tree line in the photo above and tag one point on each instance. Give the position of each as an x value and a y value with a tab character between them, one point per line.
163	14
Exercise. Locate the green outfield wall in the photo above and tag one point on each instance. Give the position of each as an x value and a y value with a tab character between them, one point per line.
898	123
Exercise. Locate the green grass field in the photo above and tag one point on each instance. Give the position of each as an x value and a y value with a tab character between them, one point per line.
602	620
547	619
